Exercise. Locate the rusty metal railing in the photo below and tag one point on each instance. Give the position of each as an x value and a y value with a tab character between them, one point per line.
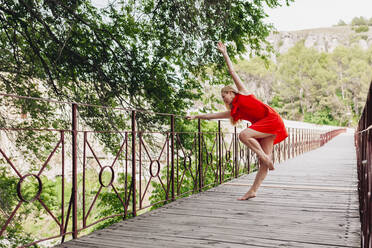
146	168
363	143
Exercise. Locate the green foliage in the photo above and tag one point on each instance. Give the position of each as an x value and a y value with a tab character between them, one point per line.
280	43
14	236
361	29
359	21
364	37
321	88
110	204
322	117
341	23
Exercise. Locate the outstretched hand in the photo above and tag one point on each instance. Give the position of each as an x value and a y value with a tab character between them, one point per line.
221	47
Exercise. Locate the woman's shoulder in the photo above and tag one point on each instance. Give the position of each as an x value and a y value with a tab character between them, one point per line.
241	98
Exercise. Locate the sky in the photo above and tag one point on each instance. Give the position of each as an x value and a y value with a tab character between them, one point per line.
308	14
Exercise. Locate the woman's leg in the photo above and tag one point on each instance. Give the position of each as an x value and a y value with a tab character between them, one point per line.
249	138
267	145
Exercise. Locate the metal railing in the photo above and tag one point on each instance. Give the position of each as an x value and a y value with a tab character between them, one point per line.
363	143
148	168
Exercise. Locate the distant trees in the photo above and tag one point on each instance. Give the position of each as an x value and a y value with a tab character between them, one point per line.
341	23
361	28
358	21
322	88
360	24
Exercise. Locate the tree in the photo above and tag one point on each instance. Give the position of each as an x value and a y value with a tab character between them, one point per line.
306	85
150	55
358	21
341	23
361	29
351	65
302	73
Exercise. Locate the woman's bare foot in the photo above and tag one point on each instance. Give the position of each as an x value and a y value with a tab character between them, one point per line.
247	196
267	161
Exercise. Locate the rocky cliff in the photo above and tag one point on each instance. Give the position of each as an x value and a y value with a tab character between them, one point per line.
323	39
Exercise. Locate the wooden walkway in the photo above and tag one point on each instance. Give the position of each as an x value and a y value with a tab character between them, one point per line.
308	201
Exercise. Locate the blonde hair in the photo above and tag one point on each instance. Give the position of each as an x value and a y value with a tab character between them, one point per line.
226	89
229	88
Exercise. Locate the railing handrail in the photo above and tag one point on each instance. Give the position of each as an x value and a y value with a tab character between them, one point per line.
365	130
363	143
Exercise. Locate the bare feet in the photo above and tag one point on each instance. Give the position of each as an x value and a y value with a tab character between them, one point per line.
247	196
267	161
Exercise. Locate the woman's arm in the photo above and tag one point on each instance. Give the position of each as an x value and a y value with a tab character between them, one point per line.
239	85
221	115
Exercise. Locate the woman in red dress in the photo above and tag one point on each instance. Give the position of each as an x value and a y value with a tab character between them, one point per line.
267	127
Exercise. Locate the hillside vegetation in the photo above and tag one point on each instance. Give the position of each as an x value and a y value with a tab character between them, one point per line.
318	76
308	84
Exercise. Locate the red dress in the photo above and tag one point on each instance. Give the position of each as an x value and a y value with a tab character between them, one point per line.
264	119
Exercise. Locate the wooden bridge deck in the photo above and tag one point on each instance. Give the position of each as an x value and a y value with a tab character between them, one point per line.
308	201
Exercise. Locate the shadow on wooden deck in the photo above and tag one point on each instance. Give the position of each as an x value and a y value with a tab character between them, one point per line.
308	201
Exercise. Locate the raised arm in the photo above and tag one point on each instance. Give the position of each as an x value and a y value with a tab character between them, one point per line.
221	115
239	85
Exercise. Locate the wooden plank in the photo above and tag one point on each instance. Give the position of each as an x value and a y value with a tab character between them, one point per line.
300	187
184	239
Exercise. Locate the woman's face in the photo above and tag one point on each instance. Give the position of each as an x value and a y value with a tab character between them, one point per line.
228	97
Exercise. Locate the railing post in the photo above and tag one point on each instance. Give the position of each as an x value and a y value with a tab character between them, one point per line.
134	188
298	142
289	143
248	159
84	178
74	171
284	149
298	146
302	141
219	151
236	153
308	140
293	142
200	156
172	156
